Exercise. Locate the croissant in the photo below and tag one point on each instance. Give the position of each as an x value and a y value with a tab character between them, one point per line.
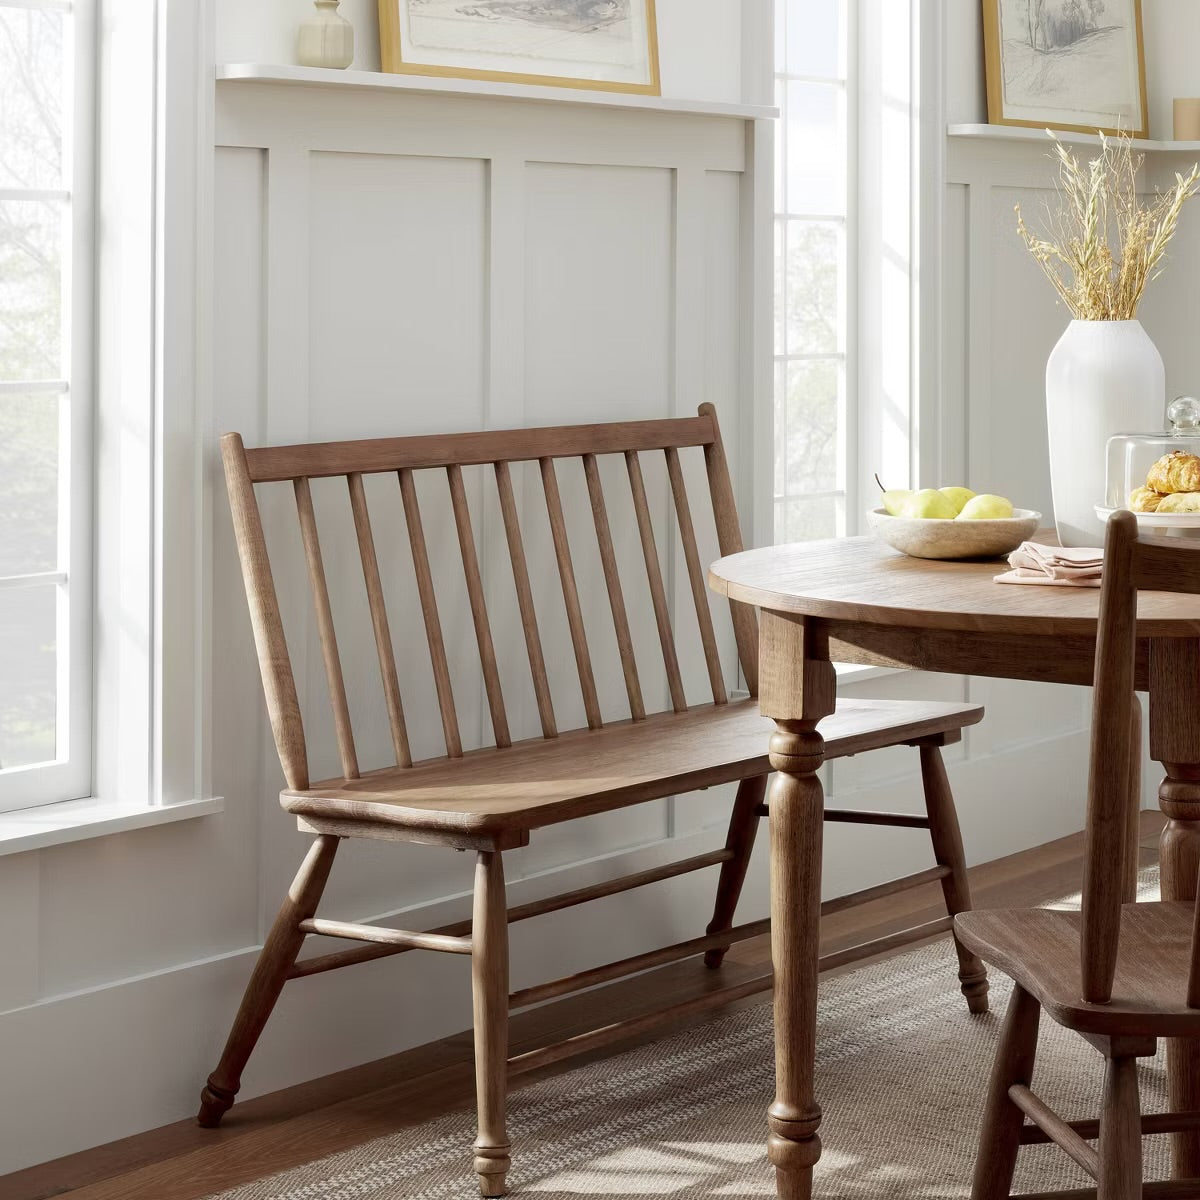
1146	500
1180	502
1175	472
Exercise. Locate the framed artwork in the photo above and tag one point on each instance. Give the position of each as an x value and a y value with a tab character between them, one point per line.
1066	64
605	44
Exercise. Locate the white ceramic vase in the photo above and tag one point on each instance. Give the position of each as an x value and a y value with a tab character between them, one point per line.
1102	378
326	39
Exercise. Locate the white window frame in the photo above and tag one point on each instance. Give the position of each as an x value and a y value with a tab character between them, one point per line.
844	85
155	159
154	446
69	774
889	73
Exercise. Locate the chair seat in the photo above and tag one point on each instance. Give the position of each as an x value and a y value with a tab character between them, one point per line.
543	781
1039	949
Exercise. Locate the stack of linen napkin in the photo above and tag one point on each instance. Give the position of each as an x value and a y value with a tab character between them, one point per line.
1075	566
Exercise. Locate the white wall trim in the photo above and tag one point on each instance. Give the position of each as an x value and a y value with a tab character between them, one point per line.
80	820
378	81
155	184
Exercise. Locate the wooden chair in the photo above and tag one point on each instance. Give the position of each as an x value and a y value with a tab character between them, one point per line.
492	799
1121	974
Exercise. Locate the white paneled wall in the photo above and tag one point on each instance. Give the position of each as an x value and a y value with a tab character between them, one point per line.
398	264
411	263
1001	321
418	264
424	264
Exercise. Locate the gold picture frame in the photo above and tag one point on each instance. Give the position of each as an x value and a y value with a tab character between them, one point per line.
1090	55
395	60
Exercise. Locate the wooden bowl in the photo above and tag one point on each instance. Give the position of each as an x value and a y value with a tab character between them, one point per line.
922	537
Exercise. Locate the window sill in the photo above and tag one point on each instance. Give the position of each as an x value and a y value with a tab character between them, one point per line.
79	820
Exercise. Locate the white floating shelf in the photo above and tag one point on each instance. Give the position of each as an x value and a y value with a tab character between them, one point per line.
1021	133
439	86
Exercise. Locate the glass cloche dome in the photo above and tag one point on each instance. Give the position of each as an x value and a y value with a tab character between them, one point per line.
1157	475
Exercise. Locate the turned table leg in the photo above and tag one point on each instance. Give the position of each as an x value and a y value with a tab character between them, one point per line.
797	688
1175	742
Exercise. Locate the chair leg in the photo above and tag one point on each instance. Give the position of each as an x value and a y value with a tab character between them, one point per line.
270	974
1000	1138
948	851
1120	1133
489	979
743	825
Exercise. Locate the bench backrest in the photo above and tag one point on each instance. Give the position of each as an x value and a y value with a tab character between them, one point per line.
447	456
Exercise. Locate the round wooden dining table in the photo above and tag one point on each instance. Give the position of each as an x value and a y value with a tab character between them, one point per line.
854	600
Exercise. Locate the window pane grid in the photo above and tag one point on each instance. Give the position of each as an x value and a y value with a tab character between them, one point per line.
799	218
61	6
812	276
830	80
10	387
810	38
34	580
834	357
45	349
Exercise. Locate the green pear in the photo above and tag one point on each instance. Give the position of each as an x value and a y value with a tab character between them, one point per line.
896	499
958	496
986	508
929	504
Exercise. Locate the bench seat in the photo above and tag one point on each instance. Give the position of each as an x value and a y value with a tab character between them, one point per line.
540	782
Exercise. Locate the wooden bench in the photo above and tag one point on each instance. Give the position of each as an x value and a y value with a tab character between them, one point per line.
492	799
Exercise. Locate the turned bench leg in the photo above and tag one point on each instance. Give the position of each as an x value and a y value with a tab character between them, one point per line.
739	841
948	851
489	980
270	974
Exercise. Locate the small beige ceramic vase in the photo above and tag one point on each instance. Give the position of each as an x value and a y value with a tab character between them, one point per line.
326	39
1187	120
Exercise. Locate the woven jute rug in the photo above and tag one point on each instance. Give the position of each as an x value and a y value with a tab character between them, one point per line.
901	1073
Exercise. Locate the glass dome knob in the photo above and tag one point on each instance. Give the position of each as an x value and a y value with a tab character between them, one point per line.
1184	415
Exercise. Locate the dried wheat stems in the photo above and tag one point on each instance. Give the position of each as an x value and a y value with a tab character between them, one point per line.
1104	244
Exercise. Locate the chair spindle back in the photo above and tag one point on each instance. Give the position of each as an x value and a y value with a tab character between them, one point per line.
1131	563
245	469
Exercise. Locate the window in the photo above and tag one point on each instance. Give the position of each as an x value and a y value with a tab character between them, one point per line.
46	136
812	283
847	220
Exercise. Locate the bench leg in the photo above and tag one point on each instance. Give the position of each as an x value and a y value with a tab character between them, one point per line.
948	851
743	825
489	979
270	974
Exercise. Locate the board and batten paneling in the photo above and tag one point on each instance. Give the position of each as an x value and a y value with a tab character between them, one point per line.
1001	320
425	264
1002	323
369	261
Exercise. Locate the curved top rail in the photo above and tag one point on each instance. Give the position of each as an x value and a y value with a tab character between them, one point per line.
273	464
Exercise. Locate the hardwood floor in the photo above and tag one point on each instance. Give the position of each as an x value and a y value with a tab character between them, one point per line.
282	1130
